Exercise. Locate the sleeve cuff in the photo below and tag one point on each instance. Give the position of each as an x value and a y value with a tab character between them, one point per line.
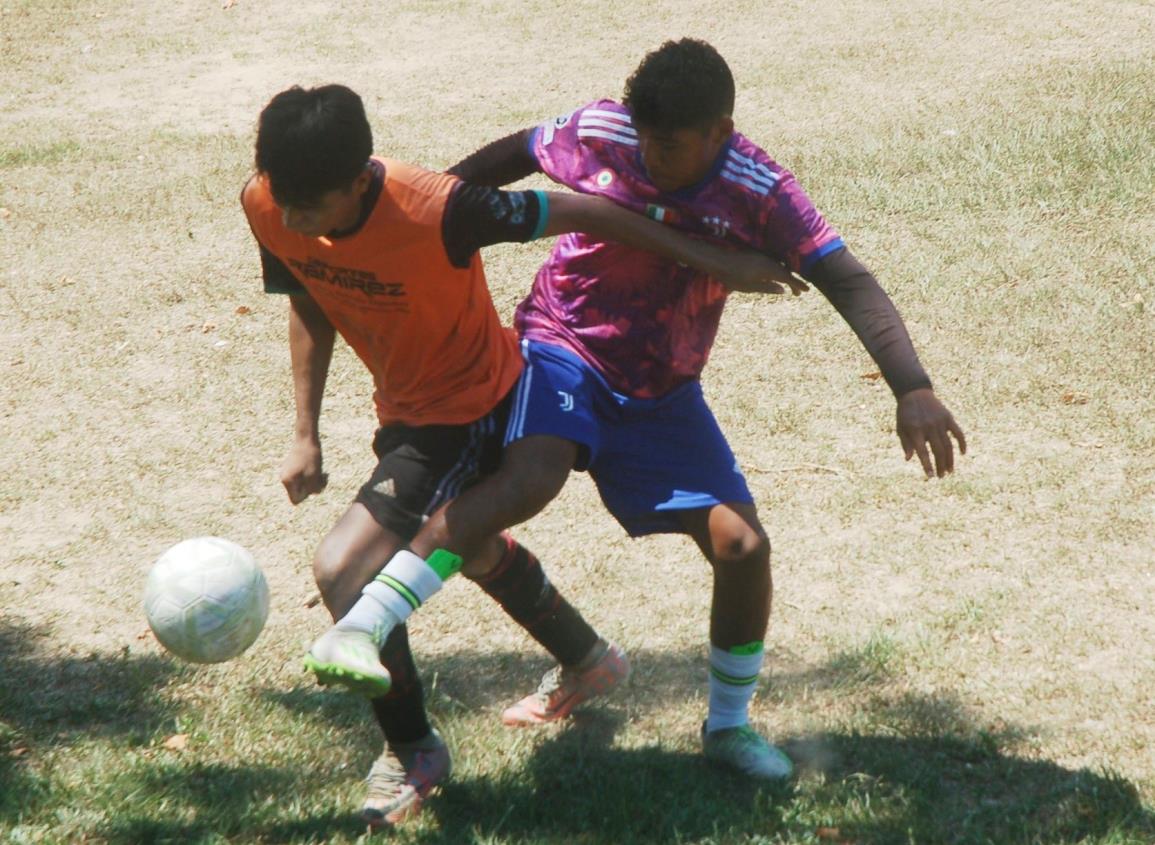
542	215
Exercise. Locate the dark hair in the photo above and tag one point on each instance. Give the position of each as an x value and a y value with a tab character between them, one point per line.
681	85
312	141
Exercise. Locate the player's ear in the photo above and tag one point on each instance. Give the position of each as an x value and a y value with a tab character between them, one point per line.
723	129
362	181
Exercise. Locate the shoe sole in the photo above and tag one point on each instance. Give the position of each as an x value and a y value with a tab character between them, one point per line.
781	776
331	674
530	720
378	821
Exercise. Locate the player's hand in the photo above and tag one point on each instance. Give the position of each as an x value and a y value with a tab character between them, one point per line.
301	473
752	272
925	427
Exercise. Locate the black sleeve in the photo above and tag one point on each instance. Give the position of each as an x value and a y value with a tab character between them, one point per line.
277	277
862	302
477	216
499	163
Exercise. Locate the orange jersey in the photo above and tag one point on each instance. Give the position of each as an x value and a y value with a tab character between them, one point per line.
426	330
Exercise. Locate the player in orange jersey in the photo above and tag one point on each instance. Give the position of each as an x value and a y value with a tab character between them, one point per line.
385	255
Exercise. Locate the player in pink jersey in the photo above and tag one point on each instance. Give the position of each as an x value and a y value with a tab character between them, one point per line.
615	340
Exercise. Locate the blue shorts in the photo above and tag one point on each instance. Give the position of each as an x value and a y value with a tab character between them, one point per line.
649	458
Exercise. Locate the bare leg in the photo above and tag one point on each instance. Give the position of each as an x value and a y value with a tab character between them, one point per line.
732	539
734	543
533	470
532	473
350	555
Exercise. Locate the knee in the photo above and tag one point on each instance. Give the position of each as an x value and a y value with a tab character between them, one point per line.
742	547
477	567
329	565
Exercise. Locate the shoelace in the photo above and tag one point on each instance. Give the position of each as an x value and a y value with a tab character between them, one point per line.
550	683
743	739
386	775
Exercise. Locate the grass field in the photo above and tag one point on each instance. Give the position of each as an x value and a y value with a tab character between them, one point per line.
961	661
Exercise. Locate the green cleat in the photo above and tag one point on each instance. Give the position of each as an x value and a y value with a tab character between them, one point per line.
744	749
349	659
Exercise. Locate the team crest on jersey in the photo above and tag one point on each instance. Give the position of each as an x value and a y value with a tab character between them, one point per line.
551	126
719	227
605	178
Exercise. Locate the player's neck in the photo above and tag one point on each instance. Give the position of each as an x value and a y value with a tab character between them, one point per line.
360	213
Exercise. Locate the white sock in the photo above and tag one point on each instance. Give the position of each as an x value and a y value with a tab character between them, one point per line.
733	679
405	584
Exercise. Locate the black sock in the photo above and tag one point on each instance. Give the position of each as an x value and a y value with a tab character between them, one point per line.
519	585
401	712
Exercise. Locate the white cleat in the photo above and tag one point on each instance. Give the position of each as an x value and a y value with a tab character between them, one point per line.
350	659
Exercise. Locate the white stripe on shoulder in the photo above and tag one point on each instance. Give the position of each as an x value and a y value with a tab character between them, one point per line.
752	175
608	115
609	136
743	179
755	169
606	124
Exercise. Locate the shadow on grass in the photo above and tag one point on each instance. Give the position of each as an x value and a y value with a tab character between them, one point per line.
945	789
854	788
337	709
923	771
868	789
46	696
575	787
218	803
46	700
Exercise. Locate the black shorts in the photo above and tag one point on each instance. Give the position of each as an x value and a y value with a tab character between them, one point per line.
420	468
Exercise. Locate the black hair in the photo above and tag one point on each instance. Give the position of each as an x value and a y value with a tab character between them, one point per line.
312	141
682	85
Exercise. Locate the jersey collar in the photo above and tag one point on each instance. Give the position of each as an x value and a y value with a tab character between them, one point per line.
368	201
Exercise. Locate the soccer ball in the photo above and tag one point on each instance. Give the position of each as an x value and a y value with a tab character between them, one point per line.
206	600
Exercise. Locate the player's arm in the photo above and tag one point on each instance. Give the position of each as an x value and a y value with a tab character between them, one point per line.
511	158
500	162
311	338
923	422
740	270
478	216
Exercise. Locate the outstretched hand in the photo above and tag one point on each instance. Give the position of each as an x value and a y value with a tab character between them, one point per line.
924	427
752	272
301	473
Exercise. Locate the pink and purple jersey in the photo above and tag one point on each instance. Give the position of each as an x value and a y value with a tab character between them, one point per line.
644	322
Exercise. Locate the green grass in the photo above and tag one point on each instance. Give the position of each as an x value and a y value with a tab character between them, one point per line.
951	662
277	765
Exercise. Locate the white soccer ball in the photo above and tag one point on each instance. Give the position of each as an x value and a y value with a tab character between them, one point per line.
206	600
